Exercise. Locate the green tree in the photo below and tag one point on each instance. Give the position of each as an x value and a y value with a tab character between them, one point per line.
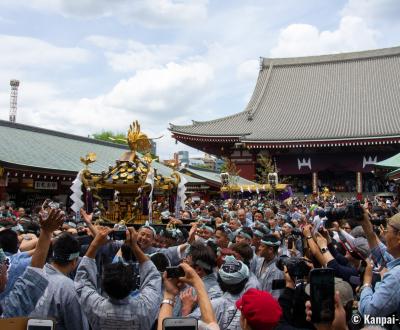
202	166
265	166
230	167
225	165
109	136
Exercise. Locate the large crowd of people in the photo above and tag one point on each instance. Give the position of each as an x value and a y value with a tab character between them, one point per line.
230	264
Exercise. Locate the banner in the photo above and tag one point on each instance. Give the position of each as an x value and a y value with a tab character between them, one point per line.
150	180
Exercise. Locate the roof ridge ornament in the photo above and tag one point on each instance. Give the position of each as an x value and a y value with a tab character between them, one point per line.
137	140
261	63
89	158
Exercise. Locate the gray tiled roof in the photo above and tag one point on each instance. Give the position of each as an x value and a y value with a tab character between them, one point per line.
390	163
342	96
214	176
45	149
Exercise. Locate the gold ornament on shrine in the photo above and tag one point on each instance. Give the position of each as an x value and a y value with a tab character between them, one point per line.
121	190
326	194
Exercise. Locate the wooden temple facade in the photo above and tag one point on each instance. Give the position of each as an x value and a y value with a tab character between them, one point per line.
324	120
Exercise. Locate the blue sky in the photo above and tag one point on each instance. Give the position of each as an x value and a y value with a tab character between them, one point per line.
88	65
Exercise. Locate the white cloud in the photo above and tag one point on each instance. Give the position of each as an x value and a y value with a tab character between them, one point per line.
130	55
107	43
303	39
155	13
25	52
23	58
373	10
48	5
155	97
150	13
248	70
162	91
140	57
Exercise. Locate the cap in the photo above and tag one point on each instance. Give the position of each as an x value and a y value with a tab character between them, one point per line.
344	288
233	271
208	228
148	226
253	306
288	224
245	234
362	247
394	221
270	240
357	232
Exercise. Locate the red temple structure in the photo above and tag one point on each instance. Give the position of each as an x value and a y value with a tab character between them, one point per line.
324	120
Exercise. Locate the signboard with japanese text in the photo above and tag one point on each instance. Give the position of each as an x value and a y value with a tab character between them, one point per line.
46	185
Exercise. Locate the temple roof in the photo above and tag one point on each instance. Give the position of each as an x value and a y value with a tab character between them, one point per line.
390	163
42	149
341	97
212	176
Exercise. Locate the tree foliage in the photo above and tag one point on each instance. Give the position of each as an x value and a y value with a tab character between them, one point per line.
203	166
109	136
265	166
229	167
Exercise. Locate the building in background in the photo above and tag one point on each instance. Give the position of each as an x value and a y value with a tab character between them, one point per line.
183	157
197	162
153	147
218	164
324	120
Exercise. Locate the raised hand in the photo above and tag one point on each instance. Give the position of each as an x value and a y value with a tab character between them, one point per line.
101	237
190	275
321	240
339	321
131	237
192	233
86	217
189	300
170	285
307	230
368	271
325	233
53	220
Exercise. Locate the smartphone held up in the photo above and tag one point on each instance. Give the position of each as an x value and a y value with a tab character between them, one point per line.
175	272
40	324
322	292
180	323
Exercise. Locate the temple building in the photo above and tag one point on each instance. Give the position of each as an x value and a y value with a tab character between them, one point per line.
324	120
37	163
